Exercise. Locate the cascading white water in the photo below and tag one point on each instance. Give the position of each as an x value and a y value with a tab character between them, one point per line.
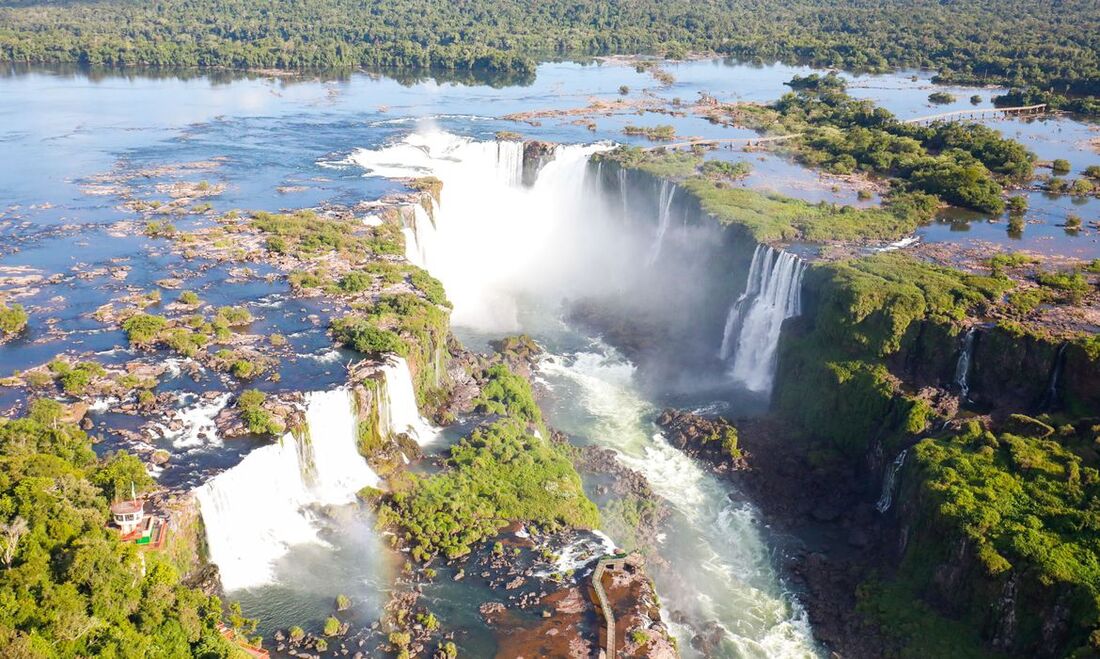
399	413
419	232
664	218
723	570
493	237
737	311
962	367
889	482
622	192
773	293
256	511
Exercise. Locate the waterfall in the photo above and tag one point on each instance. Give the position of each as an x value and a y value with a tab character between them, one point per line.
889	482
510	161
1051	395
668	191
398	413
494	237
254	512
772	294
737	310
622	192
419	233
962	368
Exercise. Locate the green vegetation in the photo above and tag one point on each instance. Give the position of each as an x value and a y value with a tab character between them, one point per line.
1060	166
362	335
720	169
190	298
867	311
332	626
13	319
963	164
160	229
1071	287
870	303
662	164
942	97
1026	502
403	324
69	588
258	420
918	630
305	234
502	472
1013	42
507	394
75	378
773	217
144	329
657	133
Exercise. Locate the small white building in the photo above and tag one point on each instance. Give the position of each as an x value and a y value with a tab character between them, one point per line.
128	515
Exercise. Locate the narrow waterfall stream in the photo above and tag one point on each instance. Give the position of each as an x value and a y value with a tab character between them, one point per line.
962	367
664	218
398	412
890	482
507	255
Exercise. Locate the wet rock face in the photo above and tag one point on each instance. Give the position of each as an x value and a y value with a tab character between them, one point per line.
535	156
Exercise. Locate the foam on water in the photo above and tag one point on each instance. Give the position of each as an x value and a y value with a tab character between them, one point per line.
724	571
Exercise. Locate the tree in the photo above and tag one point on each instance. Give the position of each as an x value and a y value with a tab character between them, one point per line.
10	534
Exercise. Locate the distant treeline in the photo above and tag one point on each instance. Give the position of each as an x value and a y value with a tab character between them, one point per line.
1052	45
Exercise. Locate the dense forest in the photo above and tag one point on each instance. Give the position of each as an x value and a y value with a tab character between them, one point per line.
68	587
1053	46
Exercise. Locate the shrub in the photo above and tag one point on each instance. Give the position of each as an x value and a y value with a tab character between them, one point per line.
296	633
13	319
233	316
363	336
143	329
1072	285
190	298
941	98
258	420
343	602
1060	166
1017	205
332	626
499	473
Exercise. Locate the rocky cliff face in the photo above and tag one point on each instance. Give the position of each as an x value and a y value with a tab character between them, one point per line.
872	367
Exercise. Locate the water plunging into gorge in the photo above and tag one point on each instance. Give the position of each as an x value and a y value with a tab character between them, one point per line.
962	367
508	254
773	293
256	511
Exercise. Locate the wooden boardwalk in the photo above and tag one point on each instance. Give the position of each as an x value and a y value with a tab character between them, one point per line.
957	115
980	113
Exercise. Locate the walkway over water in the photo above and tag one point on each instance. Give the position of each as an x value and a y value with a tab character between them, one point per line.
957	115
980	113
